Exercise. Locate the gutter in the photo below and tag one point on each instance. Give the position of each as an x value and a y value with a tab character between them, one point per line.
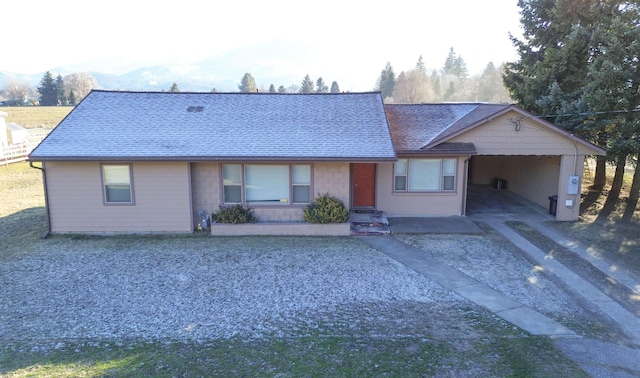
46	197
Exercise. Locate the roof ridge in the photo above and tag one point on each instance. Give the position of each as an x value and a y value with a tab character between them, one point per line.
232	93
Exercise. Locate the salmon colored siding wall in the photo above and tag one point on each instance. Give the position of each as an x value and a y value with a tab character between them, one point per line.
161	192
499	137
416	204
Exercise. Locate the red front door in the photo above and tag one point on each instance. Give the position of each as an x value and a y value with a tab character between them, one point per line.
364	185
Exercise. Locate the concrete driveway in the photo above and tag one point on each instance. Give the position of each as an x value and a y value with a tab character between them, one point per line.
494	208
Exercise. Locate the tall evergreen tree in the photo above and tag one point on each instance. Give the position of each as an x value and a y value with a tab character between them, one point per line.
321	87
387	81
307	85
248	84
174	88
282	89
578	63
272	89
62	98
48	90
420	65
455	65
335	88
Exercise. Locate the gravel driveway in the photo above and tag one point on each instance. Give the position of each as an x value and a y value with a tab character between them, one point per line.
200	288
203	287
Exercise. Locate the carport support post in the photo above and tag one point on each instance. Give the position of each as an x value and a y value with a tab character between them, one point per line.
569	165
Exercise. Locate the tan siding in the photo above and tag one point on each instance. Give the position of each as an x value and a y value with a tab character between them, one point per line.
499	137
161	192
418	204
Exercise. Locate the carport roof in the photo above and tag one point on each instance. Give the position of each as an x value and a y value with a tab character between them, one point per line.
418	128
428	128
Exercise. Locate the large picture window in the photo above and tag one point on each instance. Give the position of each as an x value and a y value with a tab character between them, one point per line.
424	175
117	183
266	184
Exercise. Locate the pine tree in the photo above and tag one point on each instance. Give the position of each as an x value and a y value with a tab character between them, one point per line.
335	88
387	80
578	61
48	90
62	99
307	85
272	89
321	87
455	65
174	88
282	89
248	84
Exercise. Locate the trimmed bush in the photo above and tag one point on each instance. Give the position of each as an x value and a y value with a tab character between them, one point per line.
326	209
234	214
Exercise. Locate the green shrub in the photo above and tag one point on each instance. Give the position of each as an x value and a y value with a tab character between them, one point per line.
234	214
326	209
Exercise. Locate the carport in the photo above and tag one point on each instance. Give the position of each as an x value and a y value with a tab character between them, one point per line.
529	157
535	178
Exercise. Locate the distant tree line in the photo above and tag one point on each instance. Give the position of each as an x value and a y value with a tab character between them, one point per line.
248	85
449	83
51	91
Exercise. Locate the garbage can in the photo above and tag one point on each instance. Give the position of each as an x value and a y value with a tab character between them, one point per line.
553	204
500	183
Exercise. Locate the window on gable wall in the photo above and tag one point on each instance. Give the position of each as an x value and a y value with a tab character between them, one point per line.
266	184
116	179
424	175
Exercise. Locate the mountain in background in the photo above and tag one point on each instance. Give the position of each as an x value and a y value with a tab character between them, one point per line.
277	62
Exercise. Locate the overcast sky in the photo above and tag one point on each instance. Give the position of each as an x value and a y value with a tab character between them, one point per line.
357	37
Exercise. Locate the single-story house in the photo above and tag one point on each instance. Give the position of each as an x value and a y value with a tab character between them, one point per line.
125	162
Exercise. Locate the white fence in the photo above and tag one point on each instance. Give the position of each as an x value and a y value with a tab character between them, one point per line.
16	152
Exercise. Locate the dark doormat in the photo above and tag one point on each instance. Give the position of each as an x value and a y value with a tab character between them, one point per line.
433	225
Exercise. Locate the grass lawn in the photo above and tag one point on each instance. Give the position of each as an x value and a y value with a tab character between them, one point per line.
491	348
36	116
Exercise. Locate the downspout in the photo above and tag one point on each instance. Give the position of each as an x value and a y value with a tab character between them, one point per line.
46	197
463	210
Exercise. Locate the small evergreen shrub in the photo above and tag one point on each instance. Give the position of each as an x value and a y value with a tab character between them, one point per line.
326	209
234	214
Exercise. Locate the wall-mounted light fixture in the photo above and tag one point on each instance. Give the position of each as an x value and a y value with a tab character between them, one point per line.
516	122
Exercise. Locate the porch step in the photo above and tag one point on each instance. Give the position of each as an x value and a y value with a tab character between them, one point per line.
369	223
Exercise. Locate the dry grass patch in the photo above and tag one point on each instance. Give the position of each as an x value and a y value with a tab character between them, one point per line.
36	116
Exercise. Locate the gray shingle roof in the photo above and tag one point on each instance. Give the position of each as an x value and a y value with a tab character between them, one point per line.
420	127
221	126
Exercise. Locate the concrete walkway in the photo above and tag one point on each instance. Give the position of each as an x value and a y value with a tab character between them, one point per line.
598	358
516	313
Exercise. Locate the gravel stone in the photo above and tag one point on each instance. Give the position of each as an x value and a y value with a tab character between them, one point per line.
201	288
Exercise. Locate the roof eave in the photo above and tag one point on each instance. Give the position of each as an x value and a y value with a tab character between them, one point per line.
215	158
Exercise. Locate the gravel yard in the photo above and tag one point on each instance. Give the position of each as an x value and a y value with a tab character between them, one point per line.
495	263
202	288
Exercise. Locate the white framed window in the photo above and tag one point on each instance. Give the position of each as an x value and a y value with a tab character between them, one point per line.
424	175
117	182
266	184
